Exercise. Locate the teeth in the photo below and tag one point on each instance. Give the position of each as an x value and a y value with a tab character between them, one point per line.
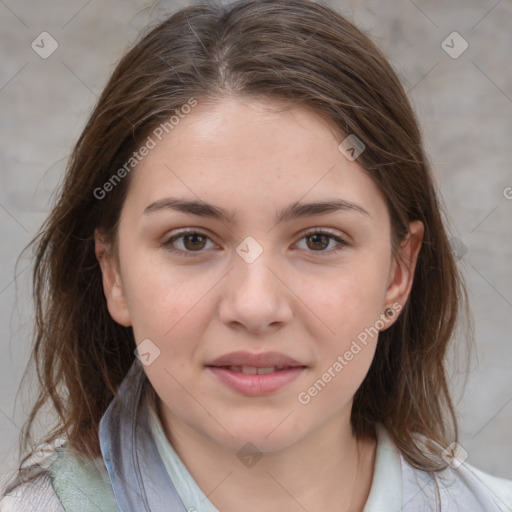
266	370
249	370
252	370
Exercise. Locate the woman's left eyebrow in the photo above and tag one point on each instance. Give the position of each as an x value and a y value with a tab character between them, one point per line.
295	210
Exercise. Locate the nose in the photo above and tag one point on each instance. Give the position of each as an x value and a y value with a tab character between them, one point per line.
256	296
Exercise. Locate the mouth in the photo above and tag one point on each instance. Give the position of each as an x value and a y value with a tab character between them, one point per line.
255	370
255	374
254	361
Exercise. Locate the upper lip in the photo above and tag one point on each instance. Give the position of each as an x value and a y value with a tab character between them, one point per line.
261	360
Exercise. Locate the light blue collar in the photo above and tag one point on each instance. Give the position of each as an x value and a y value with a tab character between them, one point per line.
138	475
190	493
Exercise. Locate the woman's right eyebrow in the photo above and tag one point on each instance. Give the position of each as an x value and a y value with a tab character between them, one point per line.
295	210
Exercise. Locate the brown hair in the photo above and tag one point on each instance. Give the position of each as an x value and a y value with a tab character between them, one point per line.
311	56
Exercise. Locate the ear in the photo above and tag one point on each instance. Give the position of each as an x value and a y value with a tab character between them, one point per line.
401	274
111	278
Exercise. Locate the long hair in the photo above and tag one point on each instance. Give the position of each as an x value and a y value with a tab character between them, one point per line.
311	56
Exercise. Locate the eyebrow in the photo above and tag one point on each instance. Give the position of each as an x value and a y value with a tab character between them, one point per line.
294	211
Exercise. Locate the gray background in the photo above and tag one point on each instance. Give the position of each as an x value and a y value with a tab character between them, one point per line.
464	105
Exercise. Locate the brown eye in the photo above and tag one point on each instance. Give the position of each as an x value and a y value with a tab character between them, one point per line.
191	242
319	241
194	241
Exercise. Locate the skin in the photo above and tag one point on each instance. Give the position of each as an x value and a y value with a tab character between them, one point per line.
298	297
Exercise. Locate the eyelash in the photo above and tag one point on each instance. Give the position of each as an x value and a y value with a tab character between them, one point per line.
342	243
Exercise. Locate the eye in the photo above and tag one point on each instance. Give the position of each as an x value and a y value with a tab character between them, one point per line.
320	240
193	241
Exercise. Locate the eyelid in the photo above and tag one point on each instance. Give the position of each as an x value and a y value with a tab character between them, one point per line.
343	241
181	233
187	231
329	231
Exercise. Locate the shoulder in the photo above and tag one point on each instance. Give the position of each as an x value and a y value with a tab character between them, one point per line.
67	482
82	483
499	488
459	486
32	490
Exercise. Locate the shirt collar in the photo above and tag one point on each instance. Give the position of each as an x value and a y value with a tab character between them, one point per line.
190	493
385	492
139	479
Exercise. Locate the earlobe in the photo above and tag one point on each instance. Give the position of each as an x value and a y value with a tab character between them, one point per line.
402	274
112	283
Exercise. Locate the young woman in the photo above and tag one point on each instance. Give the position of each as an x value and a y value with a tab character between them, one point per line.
245	291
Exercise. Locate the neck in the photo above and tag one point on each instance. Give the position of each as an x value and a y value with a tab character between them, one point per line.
329	470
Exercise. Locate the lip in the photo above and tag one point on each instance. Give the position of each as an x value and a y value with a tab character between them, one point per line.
261	360
255	384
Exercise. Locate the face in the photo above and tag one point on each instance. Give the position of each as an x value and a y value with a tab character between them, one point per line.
306	287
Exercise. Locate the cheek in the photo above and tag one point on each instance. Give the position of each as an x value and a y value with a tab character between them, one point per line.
343	358
158	293
335	385
170	311
344	300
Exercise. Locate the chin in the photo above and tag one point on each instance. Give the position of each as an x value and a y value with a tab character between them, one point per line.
268	435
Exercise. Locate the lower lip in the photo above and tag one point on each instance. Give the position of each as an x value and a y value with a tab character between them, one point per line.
256	385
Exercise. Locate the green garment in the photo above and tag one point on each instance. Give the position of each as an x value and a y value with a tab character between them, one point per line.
82	484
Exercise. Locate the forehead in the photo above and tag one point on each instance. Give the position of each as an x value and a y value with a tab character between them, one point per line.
249	155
